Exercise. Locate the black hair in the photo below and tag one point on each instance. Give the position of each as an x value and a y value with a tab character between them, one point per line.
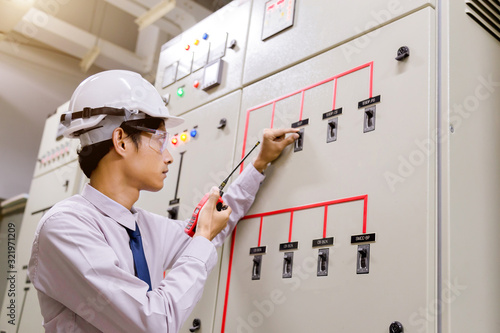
90	156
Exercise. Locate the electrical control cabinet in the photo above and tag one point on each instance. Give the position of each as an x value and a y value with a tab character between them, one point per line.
206	61
11	218
470	143
203	151
55	150
381	216
336	237
57	176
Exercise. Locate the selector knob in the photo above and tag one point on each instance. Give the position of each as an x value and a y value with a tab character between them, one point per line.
403	52
232	44
222	123
196	325
396	327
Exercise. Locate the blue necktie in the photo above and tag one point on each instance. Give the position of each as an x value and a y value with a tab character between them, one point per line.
141	266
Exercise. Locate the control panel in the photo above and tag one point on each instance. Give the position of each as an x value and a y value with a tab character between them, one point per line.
57	176
330	226
55	150
206	61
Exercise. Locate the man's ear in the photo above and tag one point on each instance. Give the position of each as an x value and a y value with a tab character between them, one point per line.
119	141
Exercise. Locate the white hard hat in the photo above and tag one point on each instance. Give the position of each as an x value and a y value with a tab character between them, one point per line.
104	100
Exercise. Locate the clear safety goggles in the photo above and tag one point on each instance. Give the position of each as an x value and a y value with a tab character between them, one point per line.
159	138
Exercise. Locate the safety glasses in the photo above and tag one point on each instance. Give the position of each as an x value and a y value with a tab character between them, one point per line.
159	138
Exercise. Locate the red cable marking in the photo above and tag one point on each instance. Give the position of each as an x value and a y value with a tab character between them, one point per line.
325	221
334	94
371	79
228	281
369	64
281	211
245	139
302	91
260	229
319	204
291	227
272	117
365	212
302	104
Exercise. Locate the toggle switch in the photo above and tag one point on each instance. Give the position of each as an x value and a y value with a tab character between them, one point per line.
299	143
323	255
257	264
172	212
331	130
287	265
232	44
403	53
222	123
196	325
363	262
369	122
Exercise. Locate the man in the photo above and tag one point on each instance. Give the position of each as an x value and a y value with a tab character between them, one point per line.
97	261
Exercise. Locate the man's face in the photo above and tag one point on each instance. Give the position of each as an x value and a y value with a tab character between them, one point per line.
148	168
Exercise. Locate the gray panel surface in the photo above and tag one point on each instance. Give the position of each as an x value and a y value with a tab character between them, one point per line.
471	178
318	26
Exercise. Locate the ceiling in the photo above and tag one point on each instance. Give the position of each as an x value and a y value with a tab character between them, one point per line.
47	47
103	33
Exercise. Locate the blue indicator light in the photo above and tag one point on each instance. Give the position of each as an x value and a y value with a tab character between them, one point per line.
193	132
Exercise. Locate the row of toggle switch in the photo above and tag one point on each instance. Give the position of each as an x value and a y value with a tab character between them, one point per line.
362	262
333	125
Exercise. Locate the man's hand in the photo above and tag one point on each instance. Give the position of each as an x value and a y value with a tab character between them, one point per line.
273	143
210	220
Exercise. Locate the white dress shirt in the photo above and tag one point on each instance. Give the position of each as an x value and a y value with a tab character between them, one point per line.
82	266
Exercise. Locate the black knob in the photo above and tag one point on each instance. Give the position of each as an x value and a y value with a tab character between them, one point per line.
232	44
403	53
173	212
222	123
196	325
396	327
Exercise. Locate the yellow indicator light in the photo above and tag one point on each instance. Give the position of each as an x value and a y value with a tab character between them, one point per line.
183	136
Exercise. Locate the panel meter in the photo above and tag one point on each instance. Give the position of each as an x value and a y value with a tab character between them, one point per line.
212	75
278	15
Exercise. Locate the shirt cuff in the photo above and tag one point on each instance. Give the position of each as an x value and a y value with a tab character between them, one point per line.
203	250
252	180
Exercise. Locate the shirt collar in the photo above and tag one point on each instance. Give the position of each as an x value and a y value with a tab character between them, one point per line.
109	207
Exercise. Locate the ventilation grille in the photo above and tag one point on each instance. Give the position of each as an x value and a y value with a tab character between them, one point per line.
486	13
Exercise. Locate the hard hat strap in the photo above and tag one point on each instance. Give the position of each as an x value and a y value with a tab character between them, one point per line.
66	118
